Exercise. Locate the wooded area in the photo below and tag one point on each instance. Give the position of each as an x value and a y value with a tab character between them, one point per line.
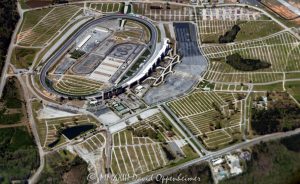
8	20
239	63
282	114
18	154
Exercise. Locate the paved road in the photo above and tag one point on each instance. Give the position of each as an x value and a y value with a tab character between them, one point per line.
181	131
69	42
195	140
220	153
34	177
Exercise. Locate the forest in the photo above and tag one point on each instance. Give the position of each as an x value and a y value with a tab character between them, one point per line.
281	116
18	154
230	36
239	63
8	20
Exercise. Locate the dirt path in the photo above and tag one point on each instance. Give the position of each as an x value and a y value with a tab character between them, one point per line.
13	125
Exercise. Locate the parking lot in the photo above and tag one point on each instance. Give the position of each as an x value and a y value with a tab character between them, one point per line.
187	73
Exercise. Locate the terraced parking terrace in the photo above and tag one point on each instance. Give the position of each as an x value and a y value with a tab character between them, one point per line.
106	7
164	12
40	26
148	145
281	50
213	116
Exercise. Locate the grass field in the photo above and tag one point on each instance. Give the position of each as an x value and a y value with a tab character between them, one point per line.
23	57
76	85
40	26
214	117
280	50
146	146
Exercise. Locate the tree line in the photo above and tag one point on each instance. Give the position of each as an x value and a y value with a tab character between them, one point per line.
8	19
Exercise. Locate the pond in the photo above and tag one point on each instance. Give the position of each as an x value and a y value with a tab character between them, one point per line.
73	132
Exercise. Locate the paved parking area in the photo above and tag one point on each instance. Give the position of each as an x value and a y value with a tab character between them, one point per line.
187	73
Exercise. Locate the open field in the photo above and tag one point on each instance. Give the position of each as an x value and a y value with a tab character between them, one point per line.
280	50
76	85
150	144
214	117
106	7
174	13
40	26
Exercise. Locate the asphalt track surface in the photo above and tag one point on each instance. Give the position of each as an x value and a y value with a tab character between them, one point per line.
54	58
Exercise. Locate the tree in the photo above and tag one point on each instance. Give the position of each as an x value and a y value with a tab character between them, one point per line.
230	35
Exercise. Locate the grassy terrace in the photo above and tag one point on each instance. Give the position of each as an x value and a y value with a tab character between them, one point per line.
280	50
75	85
